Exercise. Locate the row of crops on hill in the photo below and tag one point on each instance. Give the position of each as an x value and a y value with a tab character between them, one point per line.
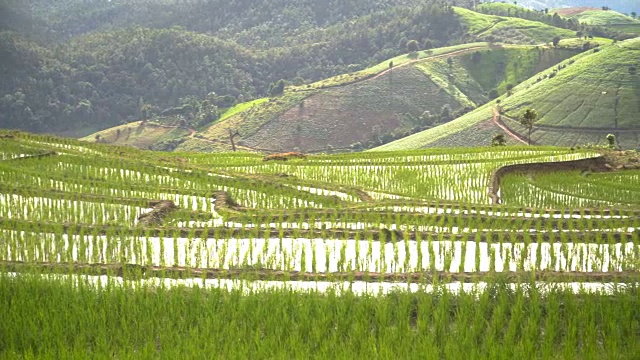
117	252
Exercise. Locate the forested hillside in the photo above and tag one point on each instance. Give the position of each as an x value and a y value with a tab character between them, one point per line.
255	22
95	66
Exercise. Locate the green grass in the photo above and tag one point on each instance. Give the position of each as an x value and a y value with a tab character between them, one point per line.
142	136
481	133
52	318
578	43
241	107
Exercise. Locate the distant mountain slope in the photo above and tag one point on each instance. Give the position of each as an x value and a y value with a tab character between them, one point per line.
579	101
104	79
390	104
373	106
256	22
599	90
623	6
607	18
510	29
585	20
107	77
112	75
602	17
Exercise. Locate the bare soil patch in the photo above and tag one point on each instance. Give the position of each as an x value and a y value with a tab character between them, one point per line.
568	12
284	156
161	208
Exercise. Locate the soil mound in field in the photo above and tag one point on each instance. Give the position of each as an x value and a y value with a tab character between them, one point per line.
161	208
284	156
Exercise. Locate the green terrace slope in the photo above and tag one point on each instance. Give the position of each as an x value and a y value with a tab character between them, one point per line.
508	29
144	135
579	101
115	252
599	17
379	104
604	18
607	18
610	19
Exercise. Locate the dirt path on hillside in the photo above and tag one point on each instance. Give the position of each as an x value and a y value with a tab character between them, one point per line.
496	119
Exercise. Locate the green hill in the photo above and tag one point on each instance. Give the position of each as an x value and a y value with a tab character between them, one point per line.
623	6
510	29
603	18
377	105
102	64
99	63
579	101
606	18
367	108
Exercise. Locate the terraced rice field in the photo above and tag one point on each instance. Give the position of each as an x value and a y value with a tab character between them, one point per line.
116	252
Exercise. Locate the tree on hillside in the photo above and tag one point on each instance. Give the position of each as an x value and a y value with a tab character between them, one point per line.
412	45
445	113
232	134
528	118
633	14
498	140
509	89
276	88
556	41
611	140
